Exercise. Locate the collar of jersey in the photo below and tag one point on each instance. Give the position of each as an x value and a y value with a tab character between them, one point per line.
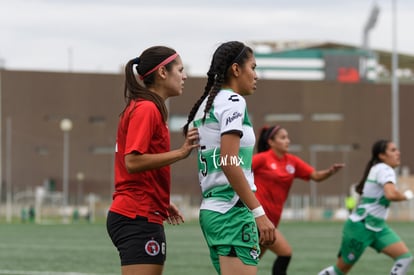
228	90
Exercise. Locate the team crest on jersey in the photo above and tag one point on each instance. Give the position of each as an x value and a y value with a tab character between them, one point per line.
254	253
351	256
290	169
152	248
273	166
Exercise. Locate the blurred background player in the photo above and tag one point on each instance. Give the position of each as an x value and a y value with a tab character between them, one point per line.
366	226
274	171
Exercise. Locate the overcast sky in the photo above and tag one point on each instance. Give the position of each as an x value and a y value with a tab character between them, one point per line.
102	35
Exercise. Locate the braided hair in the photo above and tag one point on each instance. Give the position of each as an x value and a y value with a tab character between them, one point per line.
378	148
148	60
226	55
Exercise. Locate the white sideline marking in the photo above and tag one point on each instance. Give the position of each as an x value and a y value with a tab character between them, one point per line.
33	272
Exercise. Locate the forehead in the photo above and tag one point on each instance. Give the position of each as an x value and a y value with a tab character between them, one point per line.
282	132
251	58
391	146
178	61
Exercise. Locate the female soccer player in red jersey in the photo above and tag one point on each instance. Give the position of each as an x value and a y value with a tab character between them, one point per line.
274	171
141	201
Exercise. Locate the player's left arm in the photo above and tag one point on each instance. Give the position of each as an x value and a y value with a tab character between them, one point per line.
320	175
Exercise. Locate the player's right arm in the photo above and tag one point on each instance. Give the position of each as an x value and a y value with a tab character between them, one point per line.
393	194
136	162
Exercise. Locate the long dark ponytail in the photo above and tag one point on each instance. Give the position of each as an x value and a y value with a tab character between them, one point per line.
226	54
149	59
378	148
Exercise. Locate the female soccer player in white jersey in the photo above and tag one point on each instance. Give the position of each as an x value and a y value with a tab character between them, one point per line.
230	214
366	226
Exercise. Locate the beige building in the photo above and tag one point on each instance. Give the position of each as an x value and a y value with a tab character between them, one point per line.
327	122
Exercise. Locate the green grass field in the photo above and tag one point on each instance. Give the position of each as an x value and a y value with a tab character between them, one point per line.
85	249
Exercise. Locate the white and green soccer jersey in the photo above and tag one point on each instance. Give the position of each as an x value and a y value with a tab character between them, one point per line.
373	205
227	114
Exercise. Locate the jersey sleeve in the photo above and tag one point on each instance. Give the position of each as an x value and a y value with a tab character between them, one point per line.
142	122
386	174
231	114
302	169
257	161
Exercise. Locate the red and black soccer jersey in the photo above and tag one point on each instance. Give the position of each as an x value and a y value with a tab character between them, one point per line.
273	177
142	129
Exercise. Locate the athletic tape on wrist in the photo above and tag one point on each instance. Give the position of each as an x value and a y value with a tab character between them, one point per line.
258	212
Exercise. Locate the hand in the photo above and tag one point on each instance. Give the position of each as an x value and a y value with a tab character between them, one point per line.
174	215
191	141
267	230
408	194
335	168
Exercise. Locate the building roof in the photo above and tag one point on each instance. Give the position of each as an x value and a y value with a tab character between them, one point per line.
405	61
384	57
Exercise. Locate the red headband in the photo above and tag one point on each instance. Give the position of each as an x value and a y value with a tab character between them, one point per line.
165	62
274	131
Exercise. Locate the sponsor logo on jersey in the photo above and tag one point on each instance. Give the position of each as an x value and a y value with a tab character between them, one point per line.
233	117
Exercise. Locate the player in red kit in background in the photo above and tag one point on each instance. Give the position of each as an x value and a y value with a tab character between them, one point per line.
274	171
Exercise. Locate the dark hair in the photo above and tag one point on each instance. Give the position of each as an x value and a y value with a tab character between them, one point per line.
226	55
148	60
266	133
378	148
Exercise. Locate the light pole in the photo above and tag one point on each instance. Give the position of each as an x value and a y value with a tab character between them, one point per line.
1	141
394	85
370	24
80	177
9	199
65	126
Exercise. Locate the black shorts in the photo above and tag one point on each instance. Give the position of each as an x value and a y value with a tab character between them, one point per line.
137	240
